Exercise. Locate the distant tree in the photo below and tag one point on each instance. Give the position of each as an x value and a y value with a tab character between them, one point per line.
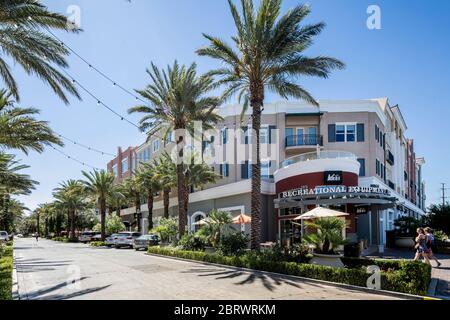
438	218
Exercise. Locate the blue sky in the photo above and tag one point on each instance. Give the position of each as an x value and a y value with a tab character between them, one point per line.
407	61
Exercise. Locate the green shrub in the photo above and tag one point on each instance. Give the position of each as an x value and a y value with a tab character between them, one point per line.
192	242
233	243
6	267
401	276
98	244
440	235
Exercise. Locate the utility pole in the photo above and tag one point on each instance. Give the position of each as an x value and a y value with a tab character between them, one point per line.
443	194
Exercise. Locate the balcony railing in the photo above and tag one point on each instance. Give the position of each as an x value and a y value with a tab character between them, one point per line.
304	140
317	156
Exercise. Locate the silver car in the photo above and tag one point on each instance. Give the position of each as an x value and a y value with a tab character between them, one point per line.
126	239
4	237
111	240
143	242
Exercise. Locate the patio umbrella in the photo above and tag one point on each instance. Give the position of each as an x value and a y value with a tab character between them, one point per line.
242	219
201	222
320	212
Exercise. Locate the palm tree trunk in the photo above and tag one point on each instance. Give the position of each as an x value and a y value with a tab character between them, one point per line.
150	200
182	213
72	224
103	218
118	210
256	175
37	223
166	195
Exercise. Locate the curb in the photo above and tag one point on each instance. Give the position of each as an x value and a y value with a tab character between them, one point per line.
15	285
335	284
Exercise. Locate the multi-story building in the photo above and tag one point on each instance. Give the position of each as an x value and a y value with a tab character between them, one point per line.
123	165
351	156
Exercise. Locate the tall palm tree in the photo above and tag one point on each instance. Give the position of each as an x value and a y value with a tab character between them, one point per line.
12	183
146	177
116	200
178	98
23	40
133	191
166	177
70	197
100	185
268	55
19	129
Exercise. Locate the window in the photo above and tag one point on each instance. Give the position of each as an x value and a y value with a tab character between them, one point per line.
124	165
224	135
246	170
264	135
382	171
362	169
377	167
246	138
377	133
155	145
289	133
265	169
225	170
170	137
114	169
345	132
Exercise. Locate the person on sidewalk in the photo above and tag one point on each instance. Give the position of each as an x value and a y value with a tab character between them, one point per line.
421	246
430	245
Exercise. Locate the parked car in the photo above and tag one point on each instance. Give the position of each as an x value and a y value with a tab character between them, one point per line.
111	240
143	242
98	237
4	237
19	235
87	236
126	239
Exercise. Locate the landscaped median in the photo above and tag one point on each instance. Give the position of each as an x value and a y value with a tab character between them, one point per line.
399	276
6	269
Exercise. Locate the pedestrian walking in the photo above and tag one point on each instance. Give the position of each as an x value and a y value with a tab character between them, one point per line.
37	237
430	245
421	246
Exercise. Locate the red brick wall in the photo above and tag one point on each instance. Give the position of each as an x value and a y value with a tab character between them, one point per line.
121	155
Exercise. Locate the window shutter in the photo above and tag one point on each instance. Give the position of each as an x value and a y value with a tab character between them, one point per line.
244	170
360	132
221	169
272	134
331	133
362	170
227	169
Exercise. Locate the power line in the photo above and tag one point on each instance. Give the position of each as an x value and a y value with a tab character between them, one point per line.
101	73
85	146
74	159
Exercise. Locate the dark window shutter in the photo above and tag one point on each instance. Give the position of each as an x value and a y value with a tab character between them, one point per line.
360	132
377	133
362	170
331	133
384	141
221	170
244	170
227	167
272	134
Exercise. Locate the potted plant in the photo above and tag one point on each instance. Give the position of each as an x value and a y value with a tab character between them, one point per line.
405	232
325	238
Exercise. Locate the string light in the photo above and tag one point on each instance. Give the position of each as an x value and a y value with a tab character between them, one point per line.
85	146
101	73
74	159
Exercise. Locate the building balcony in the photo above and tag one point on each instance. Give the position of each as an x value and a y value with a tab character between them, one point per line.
305	141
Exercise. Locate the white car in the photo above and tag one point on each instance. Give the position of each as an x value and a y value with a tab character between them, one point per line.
4	237
126	239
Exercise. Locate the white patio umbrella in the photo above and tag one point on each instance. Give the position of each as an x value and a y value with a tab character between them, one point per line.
201	222
320	212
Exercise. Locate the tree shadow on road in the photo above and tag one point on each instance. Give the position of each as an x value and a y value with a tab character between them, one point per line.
269	281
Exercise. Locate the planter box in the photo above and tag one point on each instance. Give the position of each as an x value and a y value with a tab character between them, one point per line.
405	242
330	260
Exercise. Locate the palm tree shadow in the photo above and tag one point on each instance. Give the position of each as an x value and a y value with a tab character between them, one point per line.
269	281
75	294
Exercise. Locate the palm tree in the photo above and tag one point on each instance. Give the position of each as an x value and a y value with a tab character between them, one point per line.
133	191
165	175
12	182
23	41
197	176
19	129
146	177
269	55
116	200
100	185
70	197
178	98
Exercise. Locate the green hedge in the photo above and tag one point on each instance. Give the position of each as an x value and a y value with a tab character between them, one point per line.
6	268
98	244
400	276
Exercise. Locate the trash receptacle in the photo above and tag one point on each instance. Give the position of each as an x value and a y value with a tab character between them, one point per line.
352	250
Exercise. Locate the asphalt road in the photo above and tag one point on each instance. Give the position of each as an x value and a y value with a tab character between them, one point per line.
50	270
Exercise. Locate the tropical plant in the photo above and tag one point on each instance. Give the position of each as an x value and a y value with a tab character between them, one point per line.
132	189
269	56
165	175
19	129
100	185
23	40
192	242
440	235
147	179
116	200
167	229
178	98
114	224
233	243
327	234
216	225
70	197
438	218
406	226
